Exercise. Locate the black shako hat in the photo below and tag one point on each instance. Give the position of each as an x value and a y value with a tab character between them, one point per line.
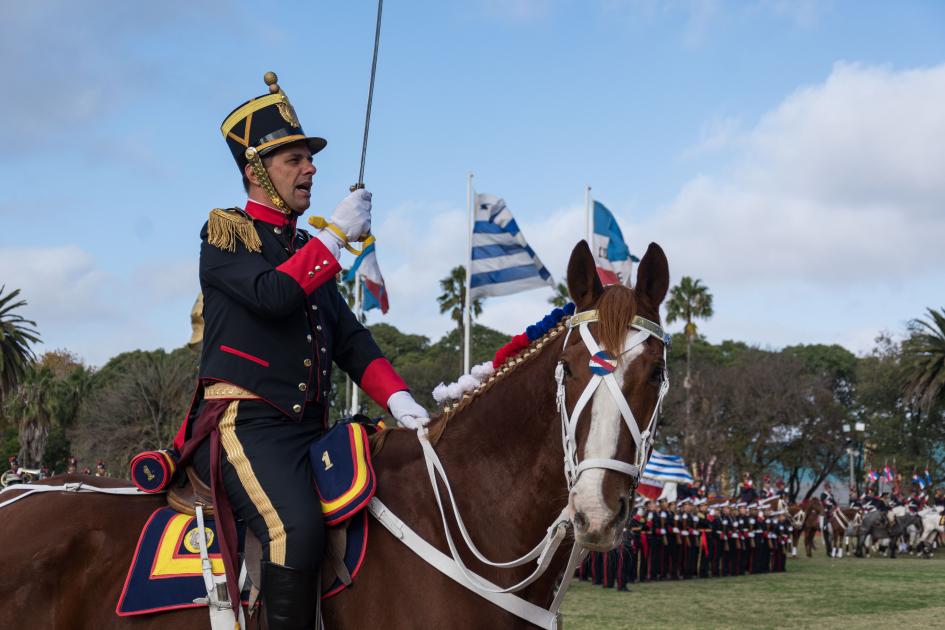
265	123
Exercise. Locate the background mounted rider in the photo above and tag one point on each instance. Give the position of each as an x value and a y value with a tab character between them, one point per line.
747	493
274	323
766	490
827	498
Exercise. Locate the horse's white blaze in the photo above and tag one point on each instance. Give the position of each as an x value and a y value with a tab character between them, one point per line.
587	496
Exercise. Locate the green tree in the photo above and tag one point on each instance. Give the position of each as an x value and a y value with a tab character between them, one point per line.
688	301
135	402
924	360
561	297
16	335
46	399
453	299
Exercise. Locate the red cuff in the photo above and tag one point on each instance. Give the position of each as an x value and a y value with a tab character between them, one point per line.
312	266
380	380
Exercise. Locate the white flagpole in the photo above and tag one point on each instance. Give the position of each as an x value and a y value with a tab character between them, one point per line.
467	306
587	216
355	402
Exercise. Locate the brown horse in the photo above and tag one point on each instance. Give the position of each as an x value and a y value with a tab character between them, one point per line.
842	525
65	555
812	524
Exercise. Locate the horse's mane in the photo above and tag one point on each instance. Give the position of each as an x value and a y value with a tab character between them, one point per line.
616	308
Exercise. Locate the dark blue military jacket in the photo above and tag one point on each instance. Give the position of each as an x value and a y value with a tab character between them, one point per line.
274	320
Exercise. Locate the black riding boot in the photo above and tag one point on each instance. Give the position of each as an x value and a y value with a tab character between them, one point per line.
288	597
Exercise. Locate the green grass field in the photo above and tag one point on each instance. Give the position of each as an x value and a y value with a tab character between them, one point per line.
817	592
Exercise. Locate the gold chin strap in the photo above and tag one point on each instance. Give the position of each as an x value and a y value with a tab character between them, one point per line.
255	162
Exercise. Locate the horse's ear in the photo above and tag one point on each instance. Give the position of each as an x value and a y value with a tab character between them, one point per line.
583	283
653	275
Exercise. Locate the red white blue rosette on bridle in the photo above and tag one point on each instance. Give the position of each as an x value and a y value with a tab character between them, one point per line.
602	363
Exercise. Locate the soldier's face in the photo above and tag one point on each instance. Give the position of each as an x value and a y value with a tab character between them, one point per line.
291	171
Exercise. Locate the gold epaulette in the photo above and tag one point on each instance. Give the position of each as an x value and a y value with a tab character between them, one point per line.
225	227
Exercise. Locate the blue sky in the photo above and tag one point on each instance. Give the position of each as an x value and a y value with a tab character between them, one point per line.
789	154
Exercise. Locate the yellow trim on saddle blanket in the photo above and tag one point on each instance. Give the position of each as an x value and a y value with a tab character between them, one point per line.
359	437
169	563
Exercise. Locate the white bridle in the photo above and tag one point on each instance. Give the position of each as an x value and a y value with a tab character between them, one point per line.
453	565
603	367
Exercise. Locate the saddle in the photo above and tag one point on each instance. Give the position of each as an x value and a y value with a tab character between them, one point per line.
335	572
176	560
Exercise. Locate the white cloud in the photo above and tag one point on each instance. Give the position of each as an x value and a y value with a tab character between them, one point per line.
97	312
838	184
825	227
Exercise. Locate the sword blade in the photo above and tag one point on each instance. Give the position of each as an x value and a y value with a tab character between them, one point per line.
370	100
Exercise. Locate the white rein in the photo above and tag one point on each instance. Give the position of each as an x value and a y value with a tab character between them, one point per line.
545	550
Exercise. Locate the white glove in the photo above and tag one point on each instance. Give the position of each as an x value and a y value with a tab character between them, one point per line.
406	410
353	215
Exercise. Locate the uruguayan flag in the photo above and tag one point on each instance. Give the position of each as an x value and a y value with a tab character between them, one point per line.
502	261
667	468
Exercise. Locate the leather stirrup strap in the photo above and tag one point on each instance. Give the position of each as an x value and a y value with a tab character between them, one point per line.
337	541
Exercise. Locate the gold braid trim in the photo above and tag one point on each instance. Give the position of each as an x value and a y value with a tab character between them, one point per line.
225	227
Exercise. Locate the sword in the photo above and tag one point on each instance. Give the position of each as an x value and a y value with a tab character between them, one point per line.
320	222
370	98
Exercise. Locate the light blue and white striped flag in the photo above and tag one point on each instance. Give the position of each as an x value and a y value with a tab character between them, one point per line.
502	261
667	468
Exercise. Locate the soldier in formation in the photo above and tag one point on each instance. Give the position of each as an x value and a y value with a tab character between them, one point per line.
693	538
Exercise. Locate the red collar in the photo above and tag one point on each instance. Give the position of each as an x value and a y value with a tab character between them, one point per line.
267	214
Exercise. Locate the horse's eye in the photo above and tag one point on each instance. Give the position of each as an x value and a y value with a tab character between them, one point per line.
656	376
567	369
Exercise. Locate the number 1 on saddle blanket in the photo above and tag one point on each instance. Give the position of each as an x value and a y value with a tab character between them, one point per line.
165	572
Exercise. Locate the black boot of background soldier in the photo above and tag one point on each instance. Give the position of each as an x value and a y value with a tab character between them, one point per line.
288	596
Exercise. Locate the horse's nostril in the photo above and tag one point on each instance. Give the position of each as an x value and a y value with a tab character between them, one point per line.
580	522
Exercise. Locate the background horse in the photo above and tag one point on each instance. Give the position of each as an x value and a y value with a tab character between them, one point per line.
813	522
933	528
798	515
65	555
837	531
880	527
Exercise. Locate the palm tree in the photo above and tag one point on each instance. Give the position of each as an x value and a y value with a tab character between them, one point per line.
30	404
47	397
16	335
689	300
924	354
453	299
561	297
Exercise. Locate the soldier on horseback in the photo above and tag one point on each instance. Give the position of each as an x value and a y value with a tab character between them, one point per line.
274	322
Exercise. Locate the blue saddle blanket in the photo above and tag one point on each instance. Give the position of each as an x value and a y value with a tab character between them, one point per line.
165	571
